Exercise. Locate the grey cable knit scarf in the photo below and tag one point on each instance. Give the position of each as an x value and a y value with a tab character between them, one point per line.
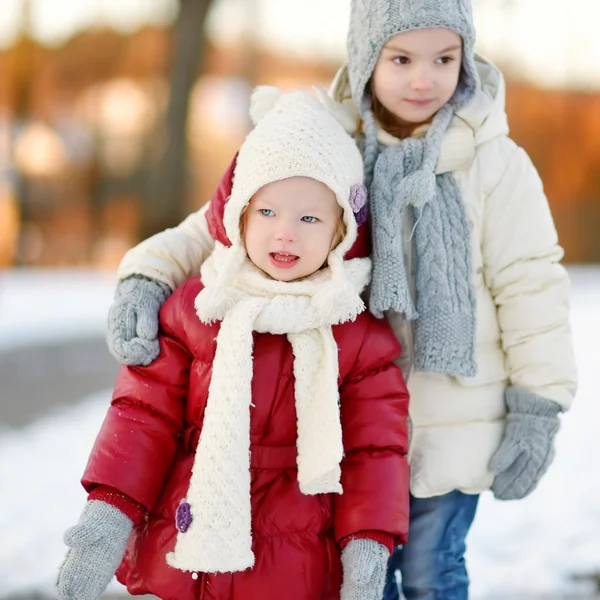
403	178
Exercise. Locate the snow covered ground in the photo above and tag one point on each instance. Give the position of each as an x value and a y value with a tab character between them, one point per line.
40	306
516	550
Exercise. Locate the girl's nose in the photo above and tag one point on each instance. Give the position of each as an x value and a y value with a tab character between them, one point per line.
286	232
421	78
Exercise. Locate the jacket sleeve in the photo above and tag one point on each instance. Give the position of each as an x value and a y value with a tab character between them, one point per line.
173	255
137	441
374	413
531	289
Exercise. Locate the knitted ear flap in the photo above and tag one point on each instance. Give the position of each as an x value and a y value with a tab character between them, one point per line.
263	99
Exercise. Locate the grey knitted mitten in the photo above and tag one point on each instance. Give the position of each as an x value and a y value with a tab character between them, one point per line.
365	564
133	320
97	545
527	448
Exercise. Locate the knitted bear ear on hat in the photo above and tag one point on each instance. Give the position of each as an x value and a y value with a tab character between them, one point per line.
262	101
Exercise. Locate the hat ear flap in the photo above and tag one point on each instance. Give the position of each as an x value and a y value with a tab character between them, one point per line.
262	101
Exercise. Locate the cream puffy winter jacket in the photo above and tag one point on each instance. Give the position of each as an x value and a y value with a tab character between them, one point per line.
523	332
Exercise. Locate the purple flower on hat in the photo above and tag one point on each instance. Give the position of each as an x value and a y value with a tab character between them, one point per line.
183	516
358	202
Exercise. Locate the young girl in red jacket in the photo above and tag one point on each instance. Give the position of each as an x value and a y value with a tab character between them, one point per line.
271	433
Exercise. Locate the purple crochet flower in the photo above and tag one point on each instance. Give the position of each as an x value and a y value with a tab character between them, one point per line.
183	516
358	202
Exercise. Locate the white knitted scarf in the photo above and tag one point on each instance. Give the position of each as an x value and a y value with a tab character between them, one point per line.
218	538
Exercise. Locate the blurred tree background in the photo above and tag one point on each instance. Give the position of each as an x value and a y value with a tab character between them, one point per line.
169	179
111	135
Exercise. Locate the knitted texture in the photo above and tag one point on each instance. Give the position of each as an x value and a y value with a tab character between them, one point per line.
295	136
133	320
527	448
385	539
374	22
129	507
365	564
404	176
97	545
216	531
445	309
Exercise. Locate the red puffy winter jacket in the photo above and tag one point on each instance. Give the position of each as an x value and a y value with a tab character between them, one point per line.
145	451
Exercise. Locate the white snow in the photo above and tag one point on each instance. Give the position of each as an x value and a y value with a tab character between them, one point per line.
40	468
40	306
516	549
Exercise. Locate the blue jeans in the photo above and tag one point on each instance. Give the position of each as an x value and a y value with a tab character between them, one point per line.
432	563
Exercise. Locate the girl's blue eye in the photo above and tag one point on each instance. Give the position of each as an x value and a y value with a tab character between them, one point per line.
309	219
266	212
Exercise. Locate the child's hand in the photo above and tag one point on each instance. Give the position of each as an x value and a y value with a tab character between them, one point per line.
97	545
133	320
365	566
527	448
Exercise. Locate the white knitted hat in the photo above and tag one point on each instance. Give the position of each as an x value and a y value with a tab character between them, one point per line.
295	136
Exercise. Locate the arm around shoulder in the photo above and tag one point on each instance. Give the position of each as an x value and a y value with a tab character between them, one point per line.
173	255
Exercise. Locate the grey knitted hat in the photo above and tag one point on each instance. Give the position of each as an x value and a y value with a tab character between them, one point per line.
374	22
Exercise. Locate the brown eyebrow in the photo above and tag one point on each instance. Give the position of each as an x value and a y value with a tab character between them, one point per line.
407	53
